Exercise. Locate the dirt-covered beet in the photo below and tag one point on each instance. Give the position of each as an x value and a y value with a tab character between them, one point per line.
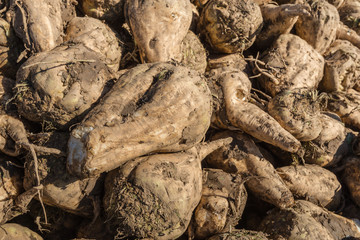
192	53
241	234
230	26
342	65
243	157
60	189
298	111
319	28
278	19
307	221
158	27
155	107
313	183
112	11
221	206
10	49
330	146
349	13
290	63
41	30
98	37
351	177
346	105
232	110
17	232
60	86
154	196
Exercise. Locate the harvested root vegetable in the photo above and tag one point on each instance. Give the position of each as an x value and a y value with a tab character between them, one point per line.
342	65
59	188
151	108
230	26
278	19
232	109
39	30
112	11
154	196
307	221
330	146
159	27
6	91
199	3
288	64
96	36
242	234
351	177
221	206
313	183
346	105
10	49
60	86
349	13
193	54
243	157
14	231
298	111
319	28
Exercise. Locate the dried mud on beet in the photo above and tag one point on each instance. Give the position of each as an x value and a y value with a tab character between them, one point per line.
188	119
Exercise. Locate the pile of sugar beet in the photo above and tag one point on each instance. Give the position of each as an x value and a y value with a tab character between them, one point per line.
179	119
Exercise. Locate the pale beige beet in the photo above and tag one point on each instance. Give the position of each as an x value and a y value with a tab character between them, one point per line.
342	65
60	189
243	157
230	26
98	37
158	27
290	63
319	28
61	85
151	108
313	183
154	196
221	206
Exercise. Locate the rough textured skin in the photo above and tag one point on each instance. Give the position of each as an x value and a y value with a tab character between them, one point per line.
61	85
351	177
60	189
235	60
12	135
159	27
313	183
112	11
154	196
330	146
221	206
13	231
10	187
240	235
293	63
307	221
10	48
96	36
6	91
319	29
349	13
346	105
40	30
342	67
230	26
298	111
151	108
239	113
193	54
242	156
278	19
